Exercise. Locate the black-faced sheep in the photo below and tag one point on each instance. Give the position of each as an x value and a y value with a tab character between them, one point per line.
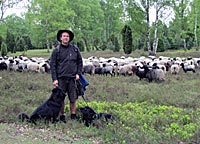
188	67
142	71
175	69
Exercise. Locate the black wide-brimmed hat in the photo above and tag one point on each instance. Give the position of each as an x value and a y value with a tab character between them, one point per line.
71	34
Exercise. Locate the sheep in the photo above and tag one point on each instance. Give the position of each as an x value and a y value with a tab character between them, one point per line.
141	71
98	70
89	68
3	66
128	69
33	67
188	67
160	66
175	69
108	70
44	67
155	74
12	66
22	66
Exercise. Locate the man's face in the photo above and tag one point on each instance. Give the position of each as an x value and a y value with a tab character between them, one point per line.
65	38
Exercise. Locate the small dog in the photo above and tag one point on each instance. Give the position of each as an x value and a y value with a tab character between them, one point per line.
48	110
89	115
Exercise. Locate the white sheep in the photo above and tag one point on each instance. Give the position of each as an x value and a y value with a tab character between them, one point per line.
175	69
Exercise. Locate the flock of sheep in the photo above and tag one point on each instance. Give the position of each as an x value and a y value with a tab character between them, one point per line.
150	68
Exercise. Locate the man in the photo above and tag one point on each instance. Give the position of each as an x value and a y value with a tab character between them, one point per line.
66	66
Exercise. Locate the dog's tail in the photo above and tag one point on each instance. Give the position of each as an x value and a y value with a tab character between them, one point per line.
22	117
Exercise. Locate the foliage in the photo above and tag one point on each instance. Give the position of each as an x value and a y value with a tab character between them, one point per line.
127	39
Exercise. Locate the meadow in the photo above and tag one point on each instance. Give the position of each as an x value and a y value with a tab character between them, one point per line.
154	113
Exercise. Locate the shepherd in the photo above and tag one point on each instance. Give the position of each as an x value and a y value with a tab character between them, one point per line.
66	67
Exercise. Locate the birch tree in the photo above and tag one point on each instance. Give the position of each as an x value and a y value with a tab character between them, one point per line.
160	7
195	18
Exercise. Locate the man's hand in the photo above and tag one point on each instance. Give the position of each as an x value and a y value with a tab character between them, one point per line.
55	83
77	77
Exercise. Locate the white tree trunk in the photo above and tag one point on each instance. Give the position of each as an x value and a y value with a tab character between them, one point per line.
148	28
155	41
47	33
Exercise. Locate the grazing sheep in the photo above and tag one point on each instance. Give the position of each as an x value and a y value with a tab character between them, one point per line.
98	70
33	67
128	69
155	74
188	67
142	71
108	70
89	68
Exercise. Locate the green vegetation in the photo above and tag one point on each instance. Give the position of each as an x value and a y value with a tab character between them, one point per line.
144	112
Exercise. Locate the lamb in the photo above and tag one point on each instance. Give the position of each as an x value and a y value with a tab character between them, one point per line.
188	67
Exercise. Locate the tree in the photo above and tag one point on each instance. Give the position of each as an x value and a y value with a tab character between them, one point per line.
195	21
127	39
134	16
10	42
180	23
45	18
1	40
20	44
4	5
112	10
159	6
3	49
146	7
88	27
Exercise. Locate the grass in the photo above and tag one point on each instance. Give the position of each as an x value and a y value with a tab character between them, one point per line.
145	112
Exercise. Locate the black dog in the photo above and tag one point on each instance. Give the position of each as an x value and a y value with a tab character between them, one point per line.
89	115
48	110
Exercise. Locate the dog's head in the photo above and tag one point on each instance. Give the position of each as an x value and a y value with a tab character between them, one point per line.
58	94
87	112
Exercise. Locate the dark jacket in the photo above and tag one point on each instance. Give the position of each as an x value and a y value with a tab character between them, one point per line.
66	61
